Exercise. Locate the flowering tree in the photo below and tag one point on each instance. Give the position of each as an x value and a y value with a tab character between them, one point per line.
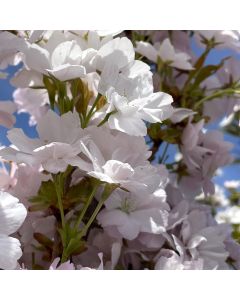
96	188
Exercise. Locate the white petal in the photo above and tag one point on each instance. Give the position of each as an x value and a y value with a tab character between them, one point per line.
118	51
67	72
130	125
147	50
65	53
37	58
12	213
10	252
180	114
166	51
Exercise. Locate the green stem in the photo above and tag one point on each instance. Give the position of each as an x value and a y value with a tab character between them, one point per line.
86	205
215	95
106	193
93	216
59	198
199	63
91	111
106	118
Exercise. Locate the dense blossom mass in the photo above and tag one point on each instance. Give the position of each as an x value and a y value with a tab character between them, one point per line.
97	185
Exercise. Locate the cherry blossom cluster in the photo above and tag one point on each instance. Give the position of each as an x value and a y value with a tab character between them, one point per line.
97	187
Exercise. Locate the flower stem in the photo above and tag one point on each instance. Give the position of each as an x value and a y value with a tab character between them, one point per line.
90	113
58	189
220	93
106	118
86	205
106	193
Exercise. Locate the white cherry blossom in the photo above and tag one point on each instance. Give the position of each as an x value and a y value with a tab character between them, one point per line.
12	215
166	52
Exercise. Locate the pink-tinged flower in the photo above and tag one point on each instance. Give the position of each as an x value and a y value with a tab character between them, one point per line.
36	222
180	39
117	161
204	153
103	252
7	178
225	106
7	108
204	240
131	213
172	260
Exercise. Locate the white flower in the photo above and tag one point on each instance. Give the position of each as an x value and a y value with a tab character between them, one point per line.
225	38
166	52
119	51
127	116
12	215
132	213
130	78
57	146
65	61
94	39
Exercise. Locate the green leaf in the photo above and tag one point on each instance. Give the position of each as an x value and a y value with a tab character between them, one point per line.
75	246
78	193
81	95
204	73
51	89
45	197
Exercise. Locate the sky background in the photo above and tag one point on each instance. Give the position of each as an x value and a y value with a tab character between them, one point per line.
231	172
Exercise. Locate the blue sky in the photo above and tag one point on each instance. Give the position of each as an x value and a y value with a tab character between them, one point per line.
229	172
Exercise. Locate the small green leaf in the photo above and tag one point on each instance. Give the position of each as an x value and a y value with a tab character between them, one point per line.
45	197
51	89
